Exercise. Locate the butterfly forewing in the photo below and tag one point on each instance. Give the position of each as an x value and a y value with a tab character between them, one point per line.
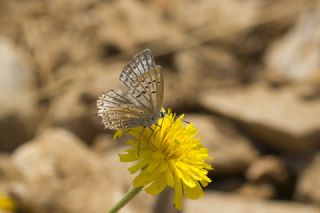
139	102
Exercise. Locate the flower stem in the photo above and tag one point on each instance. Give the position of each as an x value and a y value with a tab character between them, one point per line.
126	198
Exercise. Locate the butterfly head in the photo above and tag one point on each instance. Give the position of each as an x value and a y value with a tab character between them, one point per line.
153	118
162	114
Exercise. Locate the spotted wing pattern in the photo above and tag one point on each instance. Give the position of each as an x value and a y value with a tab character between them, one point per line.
140	101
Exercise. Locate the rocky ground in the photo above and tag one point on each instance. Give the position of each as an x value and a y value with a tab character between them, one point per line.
246	73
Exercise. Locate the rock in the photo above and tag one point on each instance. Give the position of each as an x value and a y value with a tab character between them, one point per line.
267	169
213	67
8	175
268	177
309	183
70	5
17	103
103	143
142	202
71	112
278	117
177	95
165	200
74	103
62	175
227	182
120	25
231	152
7	170
186	32
262	191
225	15
295	57
221	202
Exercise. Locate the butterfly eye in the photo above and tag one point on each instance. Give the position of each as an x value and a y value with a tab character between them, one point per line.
161	114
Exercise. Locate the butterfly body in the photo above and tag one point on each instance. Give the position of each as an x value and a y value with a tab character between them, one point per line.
139	101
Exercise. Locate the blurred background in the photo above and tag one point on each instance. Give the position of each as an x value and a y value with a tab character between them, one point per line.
245	72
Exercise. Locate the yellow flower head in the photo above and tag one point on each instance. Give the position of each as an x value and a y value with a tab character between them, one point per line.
168	154
7	204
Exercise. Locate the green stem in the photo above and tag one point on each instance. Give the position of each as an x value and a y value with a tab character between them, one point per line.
126	198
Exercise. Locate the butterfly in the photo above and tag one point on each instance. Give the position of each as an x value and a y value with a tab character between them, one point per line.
138	102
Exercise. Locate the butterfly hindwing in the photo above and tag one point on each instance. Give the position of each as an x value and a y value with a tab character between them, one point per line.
118	109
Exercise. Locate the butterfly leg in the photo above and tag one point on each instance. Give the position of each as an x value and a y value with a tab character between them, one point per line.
152	130
140	137
149	138
160	126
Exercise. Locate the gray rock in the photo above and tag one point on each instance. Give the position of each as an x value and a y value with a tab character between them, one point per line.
309	183
231	152
143	202
103	143
219	202
225	15
213	67
258	190
267	169
296	56
62	175
120	25
8	175
7	170
278	116
267	177
74	103
18	114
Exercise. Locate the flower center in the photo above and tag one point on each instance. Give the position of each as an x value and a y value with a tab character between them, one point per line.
158	155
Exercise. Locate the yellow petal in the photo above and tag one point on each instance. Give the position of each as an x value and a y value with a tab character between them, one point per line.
153	165
118	134
170	180
138	166
204	183
131	142
144	178
136	132
177	193
129	157
193	193
157	186
181	171
163	166
189	181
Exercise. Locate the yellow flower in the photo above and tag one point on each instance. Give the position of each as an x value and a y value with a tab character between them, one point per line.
7	204
168	154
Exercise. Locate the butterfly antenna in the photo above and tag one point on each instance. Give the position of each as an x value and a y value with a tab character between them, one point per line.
187	122
150	135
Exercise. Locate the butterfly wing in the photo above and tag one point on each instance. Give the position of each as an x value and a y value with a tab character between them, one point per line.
139	103
143	79
119	110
